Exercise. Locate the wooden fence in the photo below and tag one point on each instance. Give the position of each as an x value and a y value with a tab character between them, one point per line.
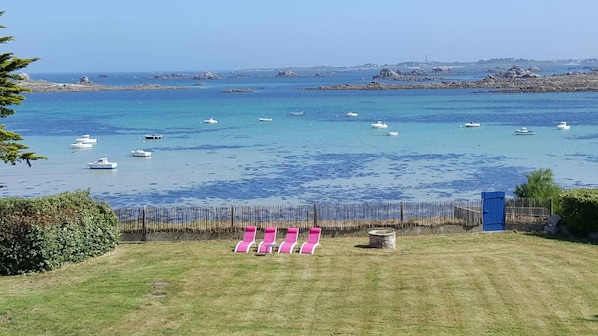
338	218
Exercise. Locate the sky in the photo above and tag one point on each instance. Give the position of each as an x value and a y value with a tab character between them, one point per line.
218	35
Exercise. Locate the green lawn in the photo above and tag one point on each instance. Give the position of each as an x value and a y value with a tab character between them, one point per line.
474	284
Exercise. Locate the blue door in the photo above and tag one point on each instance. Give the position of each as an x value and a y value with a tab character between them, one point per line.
493	211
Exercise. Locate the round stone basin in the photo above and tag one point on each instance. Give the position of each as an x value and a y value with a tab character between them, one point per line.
383	238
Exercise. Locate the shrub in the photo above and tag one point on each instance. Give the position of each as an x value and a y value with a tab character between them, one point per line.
540	185
579	209
41	234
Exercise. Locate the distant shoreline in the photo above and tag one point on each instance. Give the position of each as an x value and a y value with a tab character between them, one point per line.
574	82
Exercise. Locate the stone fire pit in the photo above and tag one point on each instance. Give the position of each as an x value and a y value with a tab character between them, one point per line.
383	238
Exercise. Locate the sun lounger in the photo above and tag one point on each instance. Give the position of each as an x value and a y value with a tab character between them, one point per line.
313	241
290	242
248	240
269	241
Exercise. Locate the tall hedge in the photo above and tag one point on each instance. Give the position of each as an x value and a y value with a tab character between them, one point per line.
40	234
579	209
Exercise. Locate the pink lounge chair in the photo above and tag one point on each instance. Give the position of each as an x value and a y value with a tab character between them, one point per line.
269	241
313	241
289	244
248	240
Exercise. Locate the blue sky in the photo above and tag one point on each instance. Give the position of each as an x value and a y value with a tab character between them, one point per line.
202	35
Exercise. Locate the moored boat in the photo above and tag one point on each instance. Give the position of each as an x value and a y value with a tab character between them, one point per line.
351	114
85	138
472	124
81	145
265	119
153	136
563	126
140	153
392	133
297	113
379	124
102	163
210	121
524	131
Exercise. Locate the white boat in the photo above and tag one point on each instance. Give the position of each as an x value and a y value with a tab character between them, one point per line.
392	133
140	153
472	124
563	126
379	124
297	113
102	163
86	139
81	145
265	119
153	136
351	114
210	121
524	131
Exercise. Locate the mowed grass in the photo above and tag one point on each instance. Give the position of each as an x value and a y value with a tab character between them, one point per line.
474	284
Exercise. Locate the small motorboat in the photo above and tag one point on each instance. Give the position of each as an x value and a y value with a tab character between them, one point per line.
102	163
86	139
392	133
153	136
524	131
140	153
81	145
563	126
265	119
351	114
297	113
472	124
210	121
379	124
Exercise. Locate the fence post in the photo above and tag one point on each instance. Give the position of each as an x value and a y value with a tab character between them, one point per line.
143	225
232	217
315	215
401	207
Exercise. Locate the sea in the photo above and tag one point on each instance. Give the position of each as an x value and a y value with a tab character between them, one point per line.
319	157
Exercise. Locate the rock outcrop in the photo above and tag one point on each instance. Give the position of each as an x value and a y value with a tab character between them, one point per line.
84	80
534	68
286	74
206	75
415	75
441	69
515	72
387	73
24	76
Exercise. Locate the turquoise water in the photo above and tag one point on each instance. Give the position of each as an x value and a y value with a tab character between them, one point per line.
320	157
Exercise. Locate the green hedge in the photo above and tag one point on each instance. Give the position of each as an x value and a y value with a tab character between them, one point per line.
579	209
40	234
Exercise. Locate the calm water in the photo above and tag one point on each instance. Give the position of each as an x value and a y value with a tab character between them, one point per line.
320	157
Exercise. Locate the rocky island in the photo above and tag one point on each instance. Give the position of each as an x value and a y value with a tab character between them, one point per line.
513	80
83	85
238	90
204	76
